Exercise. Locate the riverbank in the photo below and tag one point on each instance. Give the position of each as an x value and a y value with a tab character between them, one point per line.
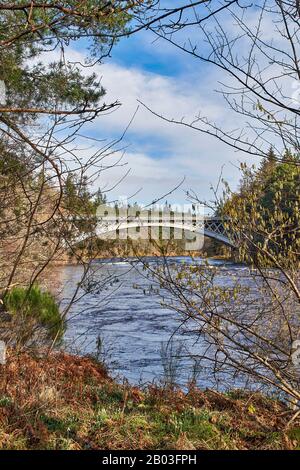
107	249
72	261
70	402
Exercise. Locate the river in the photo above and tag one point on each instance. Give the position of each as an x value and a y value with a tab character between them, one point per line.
134	327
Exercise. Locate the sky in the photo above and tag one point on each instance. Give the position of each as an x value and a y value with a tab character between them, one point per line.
159	155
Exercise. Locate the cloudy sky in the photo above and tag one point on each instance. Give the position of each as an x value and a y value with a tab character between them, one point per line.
159	154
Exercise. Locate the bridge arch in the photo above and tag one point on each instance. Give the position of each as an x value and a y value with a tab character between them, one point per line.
211	228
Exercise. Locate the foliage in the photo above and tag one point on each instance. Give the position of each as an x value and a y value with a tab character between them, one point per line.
69	402
44	88
248	324
283	181
265	214
60	22
44	204
249	336
25	34
34	303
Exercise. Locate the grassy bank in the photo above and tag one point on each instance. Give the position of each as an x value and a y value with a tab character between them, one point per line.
69	402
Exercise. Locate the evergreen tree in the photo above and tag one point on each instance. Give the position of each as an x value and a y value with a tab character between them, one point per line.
28	33
267	165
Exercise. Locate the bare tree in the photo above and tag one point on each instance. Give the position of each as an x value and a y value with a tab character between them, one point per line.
47	162
249	327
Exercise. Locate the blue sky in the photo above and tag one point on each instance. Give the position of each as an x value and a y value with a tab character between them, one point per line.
158	154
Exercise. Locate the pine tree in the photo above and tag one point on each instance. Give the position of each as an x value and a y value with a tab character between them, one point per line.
268	165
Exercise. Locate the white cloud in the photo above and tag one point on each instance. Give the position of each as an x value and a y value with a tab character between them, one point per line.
161	154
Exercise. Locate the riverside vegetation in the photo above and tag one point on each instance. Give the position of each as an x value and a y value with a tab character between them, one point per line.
68	402
54	400
61	401
58	401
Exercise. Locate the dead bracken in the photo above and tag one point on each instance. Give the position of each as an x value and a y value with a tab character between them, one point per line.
70	402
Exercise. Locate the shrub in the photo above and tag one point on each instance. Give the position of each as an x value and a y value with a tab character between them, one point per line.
38	305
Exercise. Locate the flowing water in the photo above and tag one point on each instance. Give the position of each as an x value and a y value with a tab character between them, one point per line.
127	318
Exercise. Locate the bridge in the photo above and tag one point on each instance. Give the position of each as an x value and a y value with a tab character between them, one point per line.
123	224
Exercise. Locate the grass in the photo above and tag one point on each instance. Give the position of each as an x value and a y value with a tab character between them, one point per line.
69	402
37	304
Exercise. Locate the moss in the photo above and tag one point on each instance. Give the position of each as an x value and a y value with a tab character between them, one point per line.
294	435
52	424
5	401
